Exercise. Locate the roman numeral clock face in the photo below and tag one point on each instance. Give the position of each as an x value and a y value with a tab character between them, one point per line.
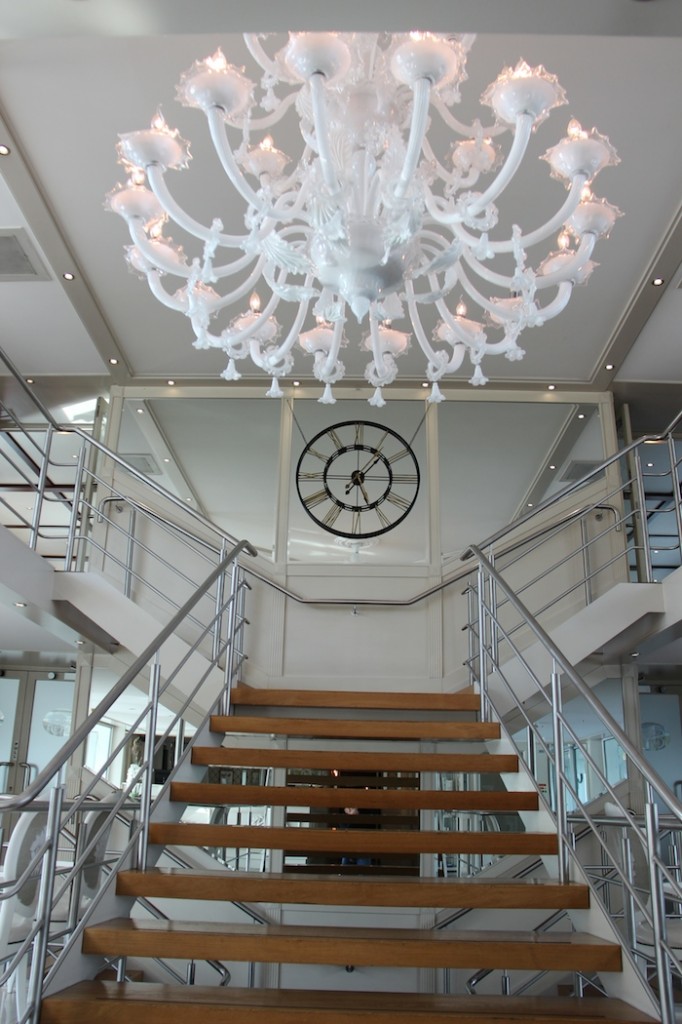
357	479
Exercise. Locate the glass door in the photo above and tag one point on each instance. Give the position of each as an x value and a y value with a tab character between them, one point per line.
37	711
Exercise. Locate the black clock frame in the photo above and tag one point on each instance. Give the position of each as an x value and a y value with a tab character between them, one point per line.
393	494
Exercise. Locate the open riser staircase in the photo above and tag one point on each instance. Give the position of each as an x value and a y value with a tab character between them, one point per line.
302	737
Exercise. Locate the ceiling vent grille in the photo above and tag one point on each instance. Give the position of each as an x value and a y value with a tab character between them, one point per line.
143	463
19	260
577	469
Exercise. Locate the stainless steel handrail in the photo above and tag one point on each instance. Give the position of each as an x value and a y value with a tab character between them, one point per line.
16	803
660	877
573	487
647	772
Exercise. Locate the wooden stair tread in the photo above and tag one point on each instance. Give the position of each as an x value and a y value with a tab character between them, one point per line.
355	728
369	947
309	796
378	892
462	700
103	1002
351	840
353	780
353	760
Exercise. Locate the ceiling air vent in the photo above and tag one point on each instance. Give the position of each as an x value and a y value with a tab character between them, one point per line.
143	463
19	260
577	469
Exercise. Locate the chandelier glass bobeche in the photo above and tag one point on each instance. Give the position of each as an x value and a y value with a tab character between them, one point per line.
369	219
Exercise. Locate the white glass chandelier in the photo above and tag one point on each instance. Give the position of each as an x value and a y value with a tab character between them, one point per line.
368	218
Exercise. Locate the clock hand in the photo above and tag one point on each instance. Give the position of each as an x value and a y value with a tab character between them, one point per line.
376	455
358	480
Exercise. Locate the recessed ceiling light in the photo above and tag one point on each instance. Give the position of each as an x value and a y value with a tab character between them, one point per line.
425	384
296	383
635	654
30	380
658	281
552	467
581	415
166	460
551	387
5	150
530	504
68	276
80	642
113	361
650	465
19	604
609	366
140	411
188	500
170	383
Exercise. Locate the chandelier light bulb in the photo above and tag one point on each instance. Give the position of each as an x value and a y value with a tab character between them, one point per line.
371	219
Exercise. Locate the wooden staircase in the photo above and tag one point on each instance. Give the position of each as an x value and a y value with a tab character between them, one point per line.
355	866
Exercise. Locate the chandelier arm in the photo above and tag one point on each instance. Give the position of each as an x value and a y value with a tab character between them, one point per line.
421	94
152	255
571	267
417	326
456	327
216	126
242	289
525	241
254	47
282	350
286	183
319	105
467	131
501	280
480	299
377	354
247	332
550	226
558	303
449	177
157	183
142	242
333	354
261	123
555	222
517	151
159	292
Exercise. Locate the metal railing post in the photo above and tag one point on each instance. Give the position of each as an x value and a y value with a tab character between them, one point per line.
628	899
226	699
471	644
494	630
148	777
219	599
559	774
640	516
675	487
40	490
130	553
45	895
482	654
75	506
665	991
584	540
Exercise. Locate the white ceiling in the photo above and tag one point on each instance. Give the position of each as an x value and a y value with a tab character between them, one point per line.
76	73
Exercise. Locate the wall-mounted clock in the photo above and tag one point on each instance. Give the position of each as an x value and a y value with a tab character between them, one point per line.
357	479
